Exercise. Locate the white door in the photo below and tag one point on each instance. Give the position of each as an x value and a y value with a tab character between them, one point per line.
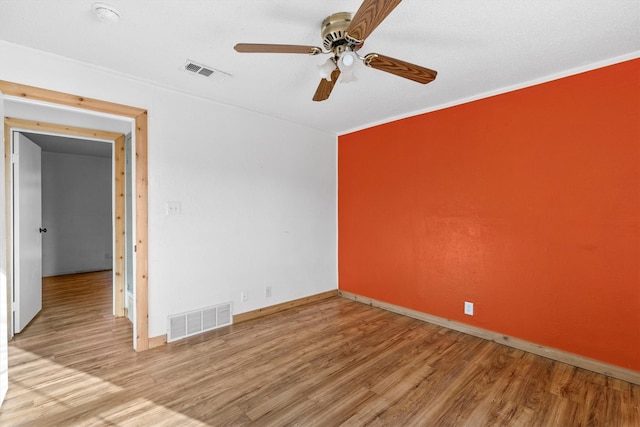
27	226
4	306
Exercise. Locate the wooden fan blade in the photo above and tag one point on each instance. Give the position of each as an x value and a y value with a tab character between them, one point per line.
368	17
325	87
276	48
400	68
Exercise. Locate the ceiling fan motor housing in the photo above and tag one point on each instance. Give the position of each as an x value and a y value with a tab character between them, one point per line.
334	33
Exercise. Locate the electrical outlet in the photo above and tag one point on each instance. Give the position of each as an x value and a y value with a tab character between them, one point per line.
267	291
468	308
244	296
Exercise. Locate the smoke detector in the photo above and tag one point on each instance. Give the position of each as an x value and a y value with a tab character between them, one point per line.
106	12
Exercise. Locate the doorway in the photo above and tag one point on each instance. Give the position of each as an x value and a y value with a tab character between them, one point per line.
139	116
18	128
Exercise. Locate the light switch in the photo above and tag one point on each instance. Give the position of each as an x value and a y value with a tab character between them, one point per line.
174	208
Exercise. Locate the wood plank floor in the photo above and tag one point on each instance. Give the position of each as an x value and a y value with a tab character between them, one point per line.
334	362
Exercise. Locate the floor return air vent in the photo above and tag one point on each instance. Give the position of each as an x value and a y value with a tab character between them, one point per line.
195	322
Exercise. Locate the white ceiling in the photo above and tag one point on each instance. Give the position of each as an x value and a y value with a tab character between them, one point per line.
67	145
477	47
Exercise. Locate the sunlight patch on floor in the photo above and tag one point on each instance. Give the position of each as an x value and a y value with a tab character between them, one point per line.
65	396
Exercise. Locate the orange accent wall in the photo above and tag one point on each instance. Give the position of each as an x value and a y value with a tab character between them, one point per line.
526	204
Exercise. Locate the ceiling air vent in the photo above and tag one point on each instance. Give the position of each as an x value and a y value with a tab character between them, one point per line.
203	70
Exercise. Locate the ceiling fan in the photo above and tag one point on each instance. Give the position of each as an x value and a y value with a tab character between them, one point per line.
343	34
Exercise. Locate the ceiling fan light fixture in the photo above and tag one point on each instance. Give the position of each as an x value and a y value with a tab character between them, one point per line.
106	12
348	76
347	60
326	69
346	64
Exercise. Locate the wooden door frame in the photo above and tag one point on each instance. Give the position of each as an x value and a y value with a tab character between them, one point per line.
118	189
139	115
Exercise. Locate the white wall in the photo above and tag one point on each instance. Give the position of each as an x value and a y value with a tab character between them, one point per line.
77	213
258	194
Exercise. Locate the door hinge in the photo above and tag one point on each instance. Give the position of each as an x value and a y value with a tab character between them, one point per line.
135	248
14	158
